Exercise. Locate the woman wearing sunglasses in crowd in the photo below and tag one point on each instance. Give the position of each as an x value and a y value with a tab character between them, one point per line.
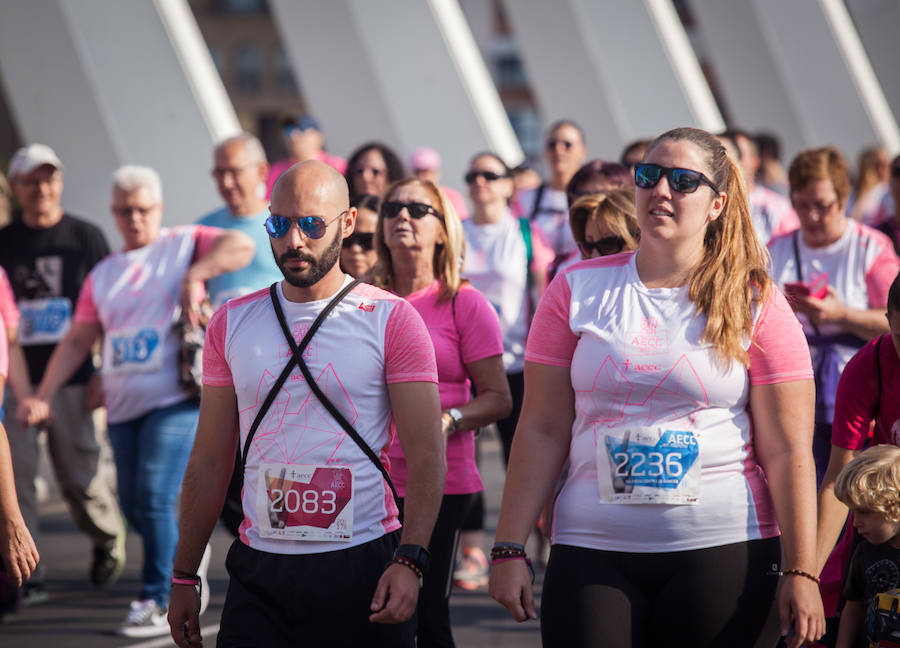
506	260
642	369
420	246
371	168
603	223
547	206
358	254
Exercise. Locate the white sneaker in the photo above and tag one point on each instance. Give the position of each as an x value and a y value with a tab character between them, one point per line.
204	581
145	619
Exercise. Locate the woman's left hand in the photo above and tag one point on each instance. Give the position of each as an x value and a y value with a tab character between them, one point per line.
800	611
828	310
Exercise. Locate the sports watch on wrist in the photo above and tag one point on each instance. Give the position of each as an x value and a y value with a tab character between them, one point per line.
455	416
419	555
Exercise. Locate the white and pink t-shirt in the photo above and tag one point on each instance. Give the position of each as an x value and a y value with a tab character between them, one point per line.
662	455
9	319
497	265
370	340
134	295
463	330
771	213
860	266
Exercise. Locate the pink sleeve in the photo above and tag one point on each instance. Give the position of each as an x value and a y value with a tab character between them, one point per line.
8	310
408	351
86	309
856	401
479	327
778	349
216	371
551	340
881	273
542	255
204	237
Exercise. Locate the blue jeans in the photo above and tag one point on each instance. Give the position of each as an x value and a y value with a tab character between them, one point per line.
151	454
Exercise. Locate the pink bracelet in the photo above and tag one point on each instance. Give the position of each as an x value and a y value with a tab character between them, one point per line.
185	581
497	561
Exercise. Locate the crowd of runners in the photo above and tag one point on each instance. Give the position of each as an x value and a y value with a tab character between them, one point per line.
689	352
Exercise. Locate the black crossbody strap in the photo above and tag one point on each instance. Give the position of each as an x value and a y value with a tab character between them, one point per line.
297	353
335	413
796	245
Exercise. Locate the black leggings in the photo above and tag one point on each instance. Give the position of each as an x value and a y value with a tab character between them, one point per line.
721	596
507	427
433	611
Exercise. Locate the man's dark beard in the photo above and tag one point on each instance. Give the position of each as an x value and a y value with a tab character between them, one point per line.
318	268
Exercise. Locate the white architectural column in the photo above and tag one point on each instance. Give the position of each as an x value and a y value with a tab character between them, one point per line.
622	70
407	73
112	82
878	23
796	68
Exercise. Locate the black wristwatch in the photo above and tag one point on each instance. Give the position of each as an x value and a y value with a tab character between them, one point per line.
419	555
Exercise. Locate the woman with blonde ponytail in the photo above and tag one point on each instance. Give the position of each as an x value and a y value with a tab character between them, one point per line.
421	247
677	382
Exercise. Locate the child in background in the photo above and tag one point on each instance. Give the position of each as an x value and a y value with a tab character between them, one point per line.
870	486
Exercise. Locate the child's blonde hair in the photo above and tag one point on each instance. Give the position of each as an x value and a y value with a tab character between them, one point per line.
871	481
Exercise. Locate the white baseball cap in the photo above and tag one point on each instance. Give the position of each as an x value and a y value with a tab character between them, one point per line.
28	158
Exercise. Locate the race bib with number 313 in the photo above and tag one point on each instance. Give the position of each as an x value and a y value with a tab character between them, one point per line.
305	502
648	466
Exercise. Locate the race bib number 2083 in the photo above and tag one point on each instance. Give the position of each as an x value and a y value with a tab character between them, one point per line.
305	502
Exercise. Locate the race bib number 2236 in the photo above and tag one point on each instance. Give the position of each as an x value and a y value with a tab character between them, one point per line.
648	466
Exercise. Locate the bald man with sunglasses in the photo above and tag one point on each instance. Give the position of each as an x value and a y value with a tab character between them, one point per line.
321	556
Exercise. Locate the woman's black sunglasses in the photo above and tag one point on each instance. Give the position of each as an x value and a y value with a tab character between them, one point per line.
365	240
416	210
647	176
489	176
604	247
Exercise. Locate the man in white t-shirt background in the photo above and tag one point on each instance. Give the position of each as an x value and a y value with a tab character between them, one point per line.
564	153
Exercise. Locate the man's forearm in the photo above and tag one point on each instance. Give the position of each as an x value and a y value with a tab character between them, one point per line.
424	491
202	496
19	380
232	250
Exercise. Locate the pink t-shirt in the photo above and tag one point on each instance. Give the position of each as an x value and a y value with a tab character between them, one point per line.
134	296
662	455
371	339
470	334
9	312
9	319
860	401
284	164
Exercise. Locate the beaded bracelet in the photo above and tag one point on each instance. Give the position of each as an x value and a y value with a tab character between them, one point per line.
794	572
800	572
406	562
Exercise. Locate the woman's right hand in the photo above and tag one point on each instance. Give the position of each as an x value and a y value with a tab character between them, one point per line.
17	549
33	411
510	585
